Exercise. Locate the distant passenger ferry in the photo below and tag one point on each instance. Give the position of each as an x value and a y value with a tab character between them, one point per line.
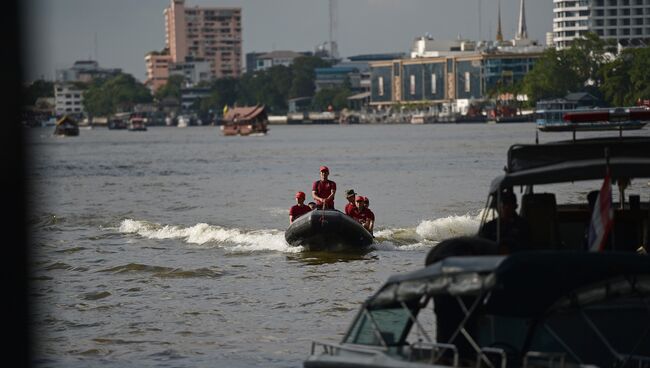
566	116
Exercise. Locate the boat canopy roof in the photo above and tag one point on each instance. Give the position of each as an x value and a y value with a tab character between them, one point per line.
524	284
565	161
245	114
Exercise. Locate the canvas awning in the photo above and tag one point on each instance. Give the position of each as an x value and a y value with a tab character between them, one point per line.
524	284
244	113
566	161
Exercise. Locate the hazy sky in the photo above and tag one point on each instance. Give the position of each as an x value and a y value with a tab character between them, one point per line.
58	32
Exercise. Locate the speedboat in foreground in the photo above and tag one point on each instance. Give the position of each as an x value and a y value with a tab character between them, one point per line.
552	303
544	308
327	230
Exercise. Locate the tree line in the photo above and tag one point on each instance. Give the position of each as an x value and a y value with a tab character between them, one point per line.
272	87
590	65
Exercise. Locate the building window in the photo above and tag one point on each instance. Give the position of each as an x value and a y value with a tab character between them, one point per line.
412	85
467	82
380	86
434	86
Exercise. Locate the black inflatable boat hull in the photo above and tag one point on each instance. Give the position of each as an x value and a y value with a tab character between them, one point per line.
327	230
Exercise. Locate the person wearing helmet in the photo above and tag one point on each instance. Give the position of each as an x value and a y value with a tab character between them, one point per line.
299	209
364	215
323	190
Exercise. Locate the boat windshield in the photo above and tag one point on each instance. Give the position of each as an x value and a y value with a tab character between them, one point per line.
380	327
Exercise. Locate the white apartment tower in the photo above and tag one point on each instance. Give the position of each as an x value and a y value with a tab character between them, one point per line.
626	21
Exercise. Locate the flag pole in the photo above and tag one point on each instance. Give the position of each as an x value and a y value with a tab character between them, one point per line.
608	173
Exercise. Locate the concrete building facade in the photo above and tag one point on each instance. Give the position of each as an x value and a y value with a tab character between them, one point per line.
194	72
213	34
625	21
68	99
157	64
446	79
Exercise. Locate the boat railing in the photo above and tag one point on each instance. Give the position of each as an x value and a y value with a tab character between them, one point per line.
335	349
544	359
641	361
482	355
436	351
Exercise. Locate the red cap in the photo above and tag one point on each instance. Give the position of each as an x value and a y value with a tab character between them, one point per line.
324	168
300	195
360	199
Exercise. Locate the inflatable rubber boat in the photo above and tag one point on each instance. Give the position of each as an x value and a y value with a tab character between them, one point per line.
327	230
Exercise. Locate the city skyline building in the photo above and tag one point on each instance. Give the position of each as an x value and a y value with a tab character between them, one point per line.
157	69
625	21
212	34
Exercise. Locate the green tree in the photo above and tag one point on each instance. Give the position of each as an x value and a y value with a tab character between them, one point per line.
336	97
577	68
587	55
616	86
116	94
38	88
552	76
302	84
223	92
269	87
171	89
627	78
640	74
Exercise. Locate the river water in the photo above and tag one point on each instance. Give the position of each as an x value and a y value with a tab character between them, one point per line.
166	248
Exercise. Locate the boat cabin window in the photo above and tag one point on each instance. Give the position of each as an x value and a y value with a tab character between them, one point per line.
391	324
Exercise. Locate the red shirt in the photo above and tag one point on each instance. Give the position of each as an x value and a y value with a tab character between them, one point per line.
365	215
298	210
324	190
351	210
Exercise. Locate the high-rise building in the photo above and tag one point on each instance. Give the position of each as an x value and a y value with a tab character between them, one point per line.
625	21
157	69
213	34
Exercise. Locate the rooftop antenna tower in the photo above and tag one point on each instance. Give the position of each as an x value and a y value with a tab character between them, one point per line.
334	52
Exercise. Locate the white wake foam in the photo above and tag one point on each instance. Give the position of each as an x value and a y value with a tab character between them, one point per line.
447	227
424	236
234	240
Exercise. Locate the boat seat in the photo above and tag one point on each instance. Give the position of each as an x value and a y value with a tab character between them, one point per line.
540	210
627	232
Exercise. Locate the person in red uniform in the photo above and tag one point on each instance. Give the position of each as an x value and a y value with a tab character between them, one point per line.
299	209
351	207
364	215
323	190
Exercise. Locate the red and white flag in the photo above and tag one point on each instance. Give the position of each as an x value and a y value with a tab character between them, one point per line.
602	218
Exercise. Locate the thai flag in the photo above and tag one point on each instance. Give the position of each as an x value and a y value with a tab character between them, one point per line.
602	218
